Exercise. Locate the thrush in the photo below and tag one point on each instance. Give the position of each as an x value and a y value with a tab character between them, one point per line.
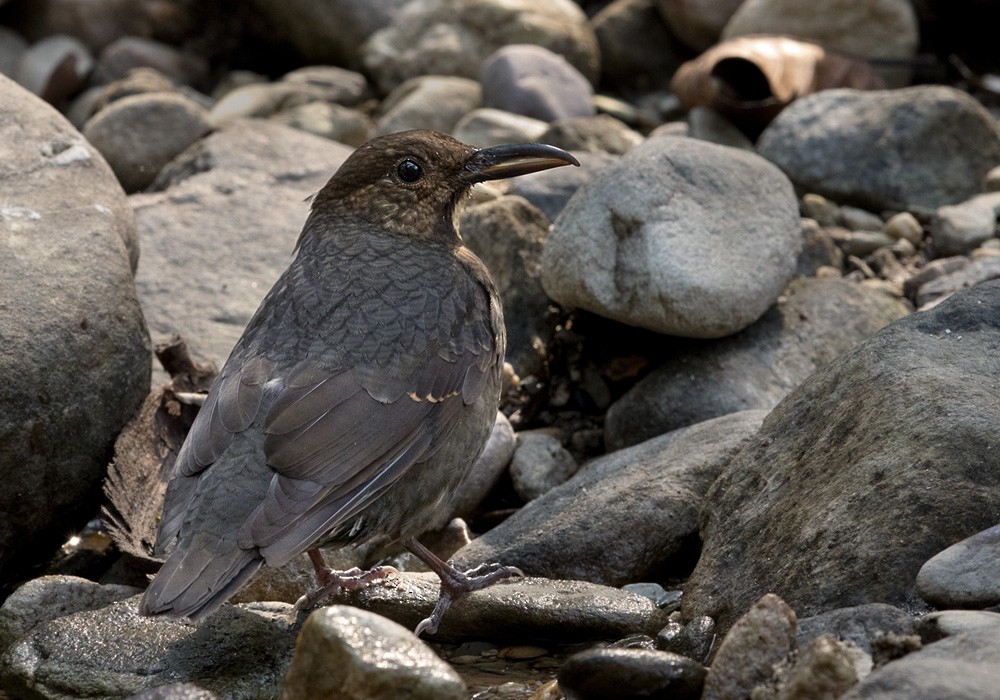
361	392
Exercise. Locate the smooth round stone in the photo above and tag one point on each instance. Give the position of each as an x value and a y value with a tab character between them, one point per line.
966	575
621	674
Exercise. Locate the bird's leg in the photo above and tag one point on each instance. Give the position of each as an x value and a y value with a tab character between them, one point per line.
331	582
455	583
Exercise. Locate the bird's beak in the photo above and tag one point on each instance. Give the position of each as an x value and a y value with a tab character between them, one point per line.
512	160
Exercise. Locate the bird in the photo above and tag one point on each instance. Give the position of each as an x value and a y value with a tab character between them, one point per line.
361	392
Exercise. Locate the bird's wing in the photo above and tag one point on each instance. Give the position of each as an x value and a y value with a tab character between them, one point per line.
231	407
336	444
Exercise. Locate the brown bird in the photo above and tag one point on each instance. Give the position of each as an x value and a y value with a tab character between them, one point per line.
361	392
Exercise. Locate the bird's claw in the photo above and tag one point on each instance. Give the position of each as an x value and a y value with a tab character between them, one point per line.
336	582
456	584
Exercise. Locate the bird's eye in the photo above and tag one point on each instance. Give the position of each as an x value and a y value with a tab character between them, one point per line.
409	171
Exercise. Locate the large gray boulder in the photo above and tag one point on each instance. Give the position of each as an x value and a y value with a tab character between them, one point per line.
218	228
74	350
678	236
923	146
869	468
814	321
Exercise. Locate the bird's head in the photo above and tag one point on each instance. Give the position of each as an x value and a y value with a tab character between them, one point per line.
409	182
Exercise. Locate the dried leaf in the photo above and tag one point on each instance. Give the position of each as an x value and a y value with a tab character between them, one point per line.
145	453
750	79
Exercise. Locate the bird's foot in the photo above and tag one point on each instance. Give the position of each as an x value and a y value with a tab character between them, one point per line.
335	582
455	583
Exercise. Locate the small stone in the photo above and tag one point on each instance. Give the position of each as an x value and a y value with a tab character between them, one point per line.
960	228
536	82
612	673
965	575
598	134
429	102
948	623
373	658
824	670
540	463
522	652
991	181
904	226
818	207
492	127
329	120
860	243
708	125
763	637
140	134
858	219
696	639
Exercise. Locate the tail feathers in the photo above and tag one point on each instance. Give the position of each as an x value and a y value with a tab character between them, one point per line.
197	579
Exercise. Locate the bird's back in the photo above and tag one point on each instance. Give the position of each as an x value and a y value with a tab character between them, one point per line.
364	362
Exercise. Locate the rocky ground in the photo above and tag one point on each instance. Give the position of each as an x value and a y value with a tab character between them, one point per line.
748	445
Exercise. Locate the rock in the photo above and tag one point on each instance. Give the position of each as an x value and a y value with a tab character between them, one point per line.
12	48
824	669
429	102
904	226
533	81
882	149
885	29
860	244
111	651
818	207
374	658
55	68
991	180
529	608
325	32
487	470
637	49
130	52
598	134
646	499
960	667
263	100
95	24
698	23
337	85
75	357
857	219
814	321
245	184
540	464
857	625
331	121
140	134
968	275
175	691
452	37
965	575
932	271
493	127
959	228
696	639
508	234
705	264
549	190
894	437
708	125
948	623
617	674
818	251
761	638
51	597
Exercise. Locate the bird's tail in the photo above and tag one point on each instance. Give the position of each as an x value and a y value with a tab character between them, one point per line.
197	578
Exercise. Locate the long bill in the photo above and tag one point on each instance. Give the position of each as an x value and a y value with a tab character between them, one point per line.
511	160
